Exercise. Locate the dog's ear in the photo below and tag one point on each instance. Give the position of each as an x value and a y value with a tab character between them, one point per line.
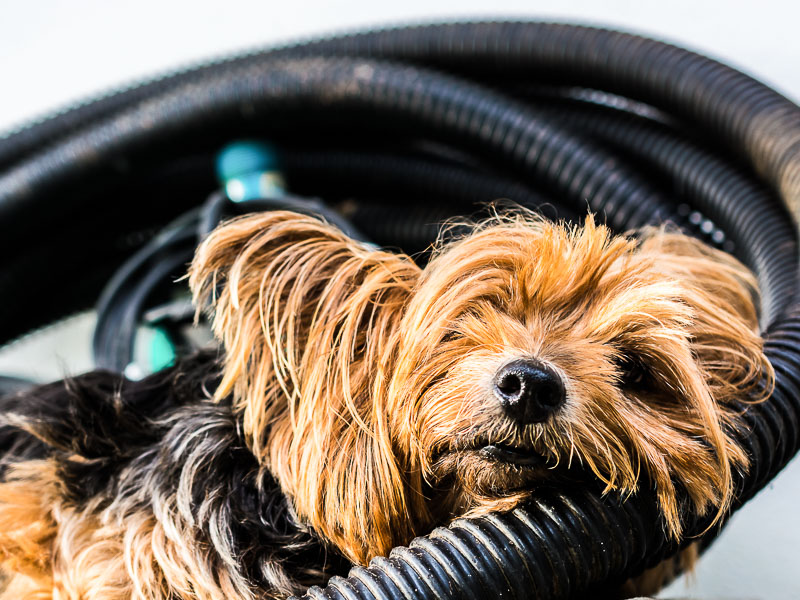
307	317
729	364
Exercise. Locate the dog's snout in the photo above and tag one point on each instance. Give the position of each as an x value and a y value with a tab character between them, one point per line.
529	390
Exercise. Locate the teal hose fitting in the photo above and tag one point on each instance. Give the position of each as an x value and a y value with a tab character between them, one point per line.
249	170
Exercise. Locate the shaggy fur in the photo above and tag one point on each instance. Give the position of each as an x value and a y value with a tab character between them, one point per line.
352	405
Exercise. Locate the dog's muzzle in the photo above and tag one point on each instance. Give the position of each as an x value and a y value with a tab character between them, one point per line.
529	390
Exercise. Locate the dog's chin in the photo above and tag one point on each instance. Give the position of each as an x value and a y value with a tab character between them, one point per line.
507	455
491	469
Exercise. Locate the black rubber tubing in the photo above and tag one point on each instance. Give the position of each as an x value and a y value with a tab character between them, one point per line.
437	105
601	56
760	123
563	545
493	126
165	255
403	215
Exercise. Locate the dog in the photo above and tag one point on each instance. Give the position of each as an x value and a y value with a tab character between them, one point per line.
359	400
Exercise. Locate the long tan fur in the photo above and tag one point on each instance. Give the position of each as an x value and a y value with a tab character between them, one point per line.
363	381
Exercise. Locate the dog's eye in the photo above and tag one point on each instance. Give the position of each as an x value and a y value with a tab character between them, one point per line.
633	372
452	336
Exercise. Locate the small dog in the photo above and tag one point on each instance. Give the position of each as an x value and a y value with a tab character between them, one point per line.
361	400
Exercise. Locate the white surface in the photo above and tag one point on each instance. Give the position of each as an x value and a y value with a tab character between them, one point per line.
53	53
757	555
51	353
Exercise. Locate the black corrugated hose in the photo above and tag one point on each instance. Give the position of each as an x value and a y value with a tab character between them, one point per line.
497	108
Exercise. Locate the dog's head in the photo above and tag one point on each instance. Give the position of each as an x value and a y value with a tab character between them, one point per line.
386	398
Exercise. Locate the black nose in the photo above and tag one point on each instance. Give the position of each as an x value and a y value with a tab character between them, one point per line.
529	390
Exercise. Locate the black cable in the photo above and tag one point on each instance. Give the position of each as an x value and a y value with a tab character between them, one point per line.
122	299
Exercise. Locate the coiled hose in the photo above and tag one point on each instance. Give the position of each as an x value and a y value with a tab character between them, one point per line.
719	154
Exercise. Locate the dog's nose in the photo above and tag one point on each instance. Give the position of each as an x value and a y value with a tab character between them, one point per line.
529	390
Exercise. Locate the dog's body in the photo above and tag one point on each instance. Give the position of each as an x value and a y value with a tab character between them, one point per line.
118	469
360	401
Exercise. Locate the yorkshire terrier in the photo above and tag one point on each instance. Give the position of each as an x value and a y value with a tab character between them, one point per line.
359	400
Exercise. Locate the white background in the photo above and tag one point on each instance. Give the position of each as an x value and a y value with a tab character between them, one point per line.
53	53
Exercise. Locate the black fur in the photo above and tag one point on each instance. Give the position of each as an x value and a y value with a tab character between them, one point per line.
113	438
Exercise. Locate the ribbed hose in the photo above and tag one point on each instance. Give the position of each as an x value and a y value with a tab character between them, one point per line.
404	185
760	123
394	96
563	545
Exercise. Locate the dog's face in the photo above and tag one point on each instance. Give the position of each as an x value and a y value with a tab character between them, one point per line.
387	399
